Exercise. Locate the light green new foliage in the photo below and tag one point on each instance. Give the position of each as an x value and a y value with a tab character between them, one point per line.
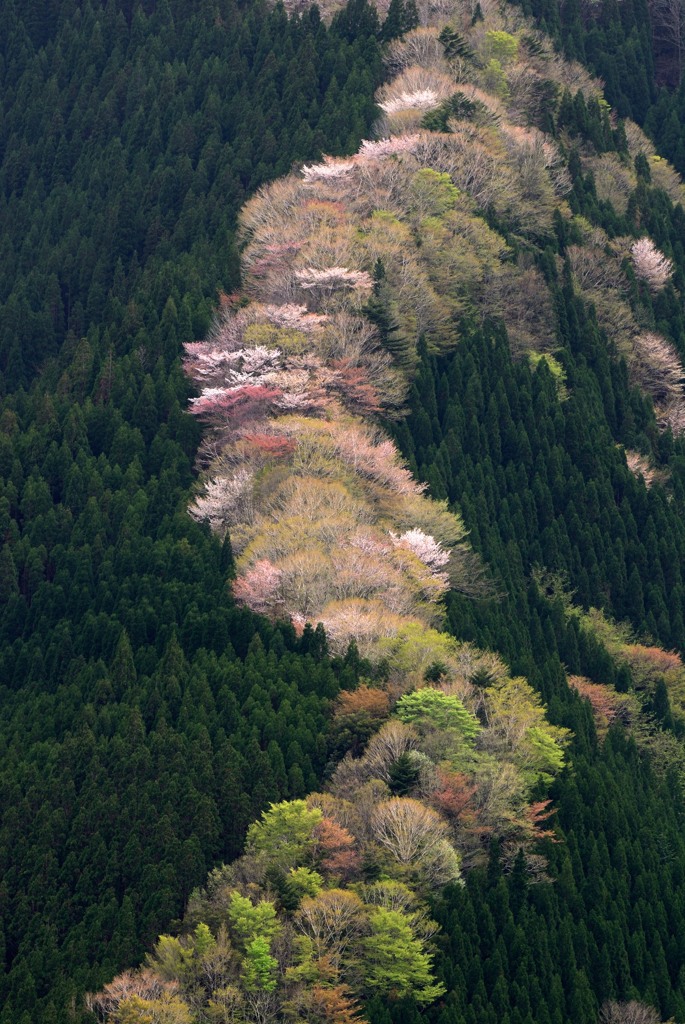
555	368
437	710
175	959
169	958
394	959
254	926
415	650
204	940
284	834
259	967
303	882
433	192
518	723
250	920
290	341
501	46
543	753
495	80
167	1010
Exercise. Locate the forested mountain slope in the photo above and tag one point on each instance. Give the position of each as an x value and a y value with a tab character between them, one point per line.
146	720
492	247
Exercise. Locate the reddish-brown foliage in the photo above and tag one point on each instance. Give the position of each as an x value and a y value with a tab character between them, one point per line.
536	814
354	387
365	700
335	848
270	445
454	797
330	1005
229	301
601	698
649	662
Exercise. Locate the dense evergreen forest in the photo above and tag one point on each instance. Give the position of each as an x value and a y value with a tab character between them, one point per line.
145	720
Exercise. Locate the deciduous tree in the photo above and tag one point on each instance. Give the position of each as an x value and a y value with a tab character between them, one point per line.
395	963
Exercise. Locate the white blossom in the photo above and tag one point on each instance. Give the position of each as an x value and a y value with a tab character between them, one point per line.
419	99
425	547
330	168
650	265
333	278
208	393
226	501
290	316
389	147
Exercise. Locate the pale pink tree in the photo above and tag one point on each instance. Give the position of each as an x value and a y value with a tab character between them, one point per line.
259	587
650	265
657	367
145	984
226	501
395	145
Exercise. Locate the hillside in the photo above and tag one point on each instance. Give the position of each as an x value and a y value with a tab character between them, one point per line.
145	720
484	295
498	209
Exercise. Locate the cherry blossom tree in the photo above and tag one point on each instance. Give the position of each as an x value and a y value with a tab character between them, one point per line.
259	587
408	96
226	501
650	265
657	366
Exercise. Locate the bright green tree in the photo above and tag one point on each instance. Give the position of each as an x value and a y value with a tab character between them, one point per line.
437	710
259	967
284	834
395	961
251	921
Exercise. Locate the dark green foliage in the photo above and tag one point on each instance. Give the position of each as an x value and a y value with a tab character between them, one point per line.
403	774
458	106
402	17
610	926
542	482
455	45
590	121
639	61
613	40
129	143
144	720
382	312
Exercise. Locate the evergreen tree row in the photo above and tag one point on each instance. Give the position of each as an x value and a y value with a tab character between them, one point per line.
128	146
144	720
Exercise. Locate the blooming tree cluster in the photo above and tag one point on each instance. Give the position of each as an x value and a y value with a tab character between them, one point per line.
346	264
397	227
299	918
650	265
